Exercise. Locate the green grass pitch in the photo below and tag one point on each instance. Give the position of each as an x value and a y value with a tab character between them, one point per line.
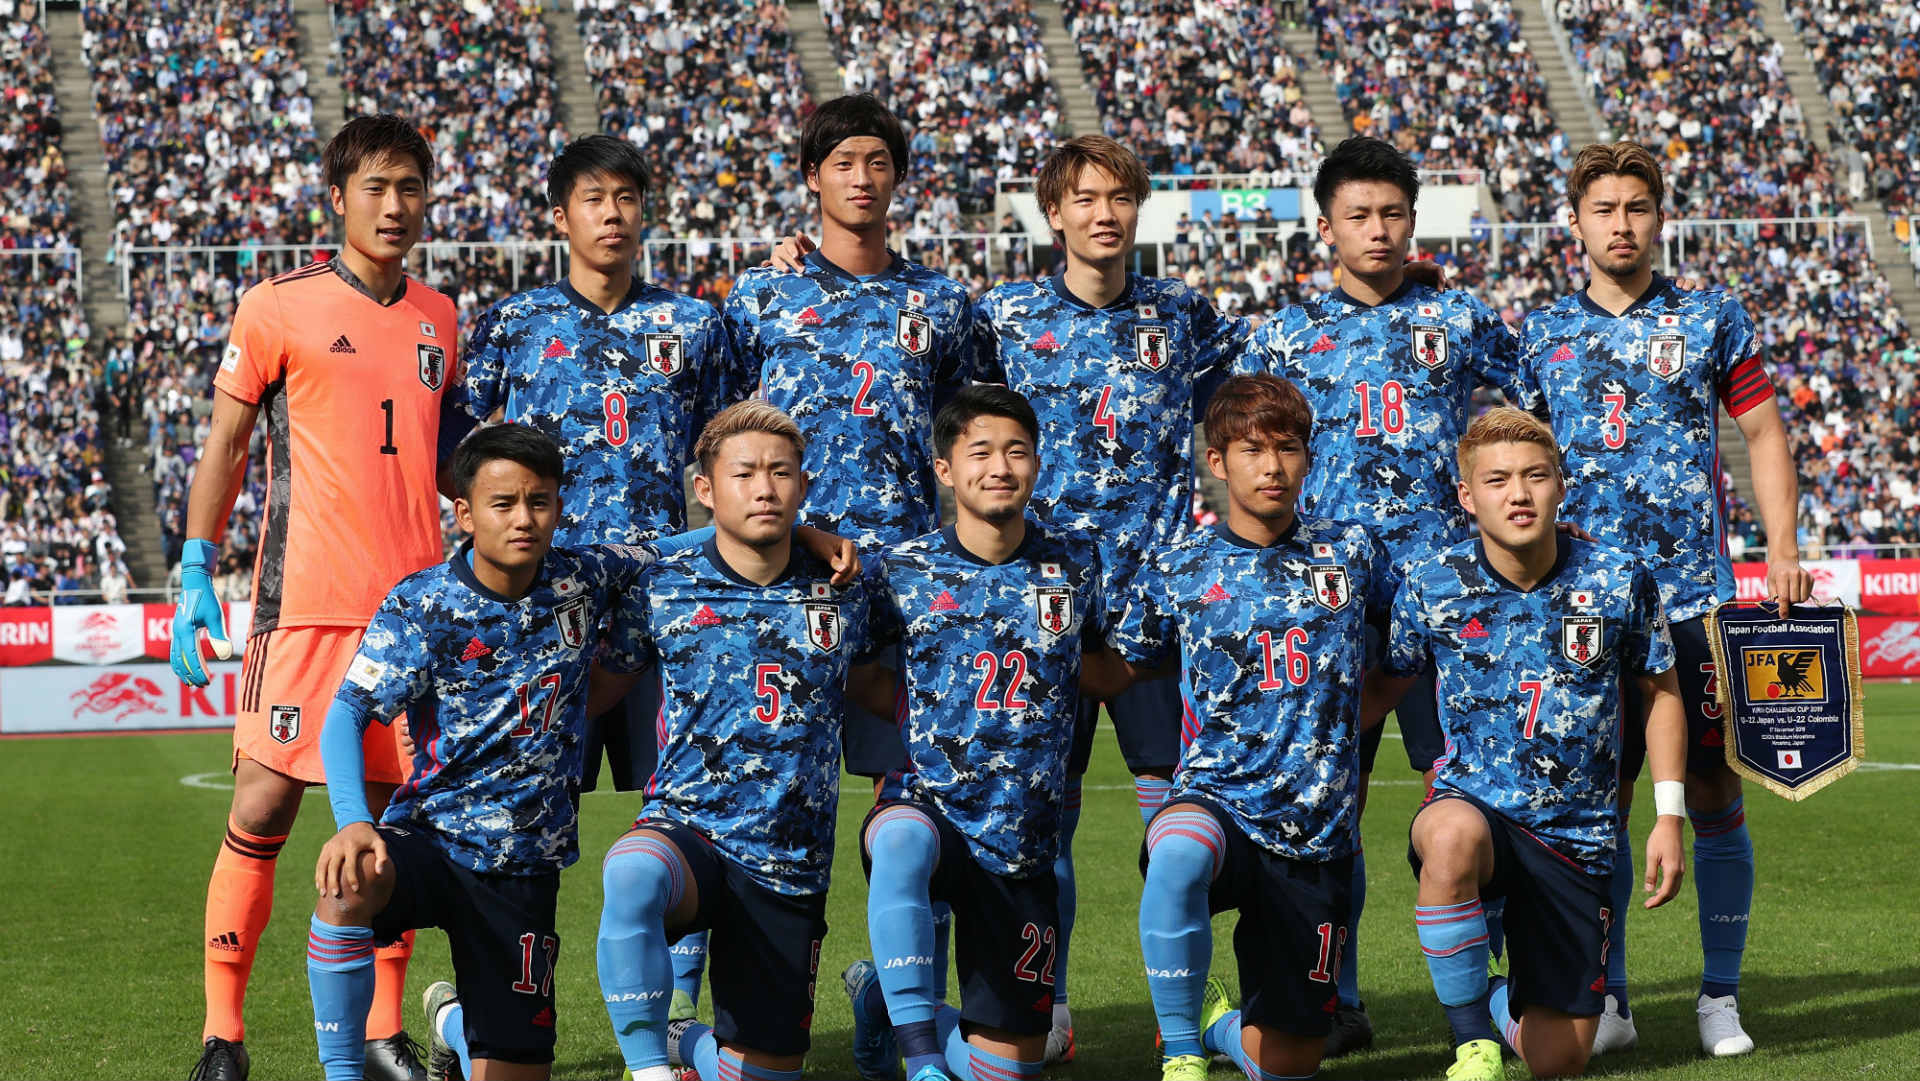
107	852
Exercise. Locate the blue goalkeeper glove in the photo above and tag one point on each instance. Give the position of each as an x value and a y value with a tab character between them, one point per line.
199	610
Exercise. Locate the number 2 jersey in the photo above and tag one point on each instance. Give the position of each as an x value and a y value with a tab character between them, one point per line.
1528	682
991	658
754	680
495	693
625	394
1272	645
861	364
1633	399
352	393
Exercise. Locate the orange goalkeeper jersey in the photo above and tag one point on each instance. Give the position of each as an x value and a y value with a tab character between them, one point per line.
350	390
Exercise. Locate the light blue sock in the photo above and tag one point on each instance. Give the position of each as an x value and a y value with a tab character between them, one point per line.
701	1051
969	1063
1454	940
1501	1015
340	977
1185	850
1069	897
1151	794
1223	1038
731	1066
904	847
689	963
1723	882
453	1033
1620	896
1350	955
643	879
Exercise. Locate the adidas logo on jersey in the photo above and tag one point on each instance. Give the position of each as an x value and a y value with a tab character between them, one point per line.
342	345
1214	595
1047	341
1324	345
225	940
556	349
809	318
1712	738
544	1019
705	617
1473	629
944	603
475	650
1565	352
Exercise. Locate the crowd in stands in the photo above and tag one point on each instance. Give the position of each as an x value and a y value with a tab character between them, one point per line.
1703	87
208	128
1454	86
1196	88
714	96
33	174
1867	58
479	80
972	85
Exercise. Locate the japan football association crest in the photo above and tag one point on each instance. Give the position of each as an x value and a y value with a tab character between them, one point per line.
283	723
1150	346
572	619
433	365
1666	355
1582	639
1429	345
823	627
1053	607
913	332
1332	589
666	354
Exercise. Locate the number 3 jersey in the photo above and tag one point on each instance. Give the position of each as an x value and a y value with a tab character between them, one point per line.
992	672
754	683
1391	387
1528	682
1272	644
495	693
861	364
624	394
1633	399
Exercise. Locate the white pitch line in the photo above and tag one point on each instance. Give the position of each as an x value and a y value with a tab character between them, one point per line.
220	782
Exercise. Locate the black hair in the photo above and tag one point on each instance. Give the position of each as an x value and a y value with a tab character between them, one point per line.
369	138
850	117
978	400
1364	157
595	154
529	446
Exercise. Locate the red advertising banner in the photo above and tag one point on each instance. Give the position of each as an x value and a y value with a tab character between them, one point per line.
26	636
1889	646
1890	587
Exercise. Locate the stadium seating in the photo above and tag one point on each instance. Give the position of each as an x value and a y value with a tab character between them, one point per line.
714	95
33	174
970	81
1701	84
206	122
1195	88
479	80
1867	57
1454	86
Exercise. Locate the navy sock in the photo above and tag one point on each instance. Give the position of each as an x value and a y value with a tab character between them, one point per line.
1350	952
1620	895
1723	882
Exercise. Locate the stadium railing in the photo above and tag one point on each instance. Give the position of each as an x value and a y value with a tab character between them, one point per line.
61	258
664	254
1278	178
257	262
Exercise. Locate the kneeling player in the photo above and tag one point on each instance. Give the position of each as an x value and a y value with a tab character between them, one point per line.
753	646
1268	616
1530	633
489	655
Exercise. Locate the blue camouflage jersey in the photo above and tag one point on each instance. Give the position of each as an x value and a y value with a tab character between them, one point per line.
862	364
992	673
495	693
1118	391
1272	645
625	396
1528	682
1633	401
754	681
1391	387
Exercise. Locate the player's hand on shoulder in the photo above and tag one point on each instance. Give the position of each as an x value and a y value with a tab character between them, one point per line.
1427	272
1574	531
1788	582
841	554
339	863
403	737
1666	866
790	255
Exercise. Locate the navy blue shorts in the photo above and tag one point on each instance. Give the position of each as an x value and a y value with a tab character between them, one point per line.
1556	919
1292	927
1004	931
629	733
1146	720
1417	716
873	745
764	954
500	932
1706	736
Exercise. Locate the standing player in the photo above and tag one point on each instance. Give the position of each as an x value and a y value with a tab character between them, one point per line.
1117	366
1632	371
753	647
1268	618
1389	366
991	613
350	361
1530	635
488	655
